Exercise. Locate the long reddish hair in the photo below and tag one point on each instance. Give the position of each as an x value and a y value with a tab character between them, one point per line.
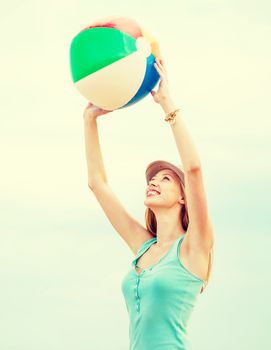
151	225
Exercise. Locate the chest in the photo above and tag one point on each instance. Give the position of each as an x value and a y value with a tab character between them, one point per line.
195	262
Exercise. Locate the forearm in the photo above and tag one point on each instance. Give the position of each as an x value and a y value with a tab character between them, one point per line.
183	139
95	166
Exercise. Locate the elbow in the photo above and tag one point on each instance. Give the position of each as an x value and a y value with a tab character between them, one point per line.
90	186
96	184
193	168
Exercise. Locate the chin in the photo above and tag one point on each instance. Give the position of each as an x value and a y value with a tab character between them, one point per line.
148	202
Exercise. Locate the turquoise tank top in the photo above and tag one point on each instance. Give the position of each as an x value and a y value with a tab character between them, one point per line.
159	301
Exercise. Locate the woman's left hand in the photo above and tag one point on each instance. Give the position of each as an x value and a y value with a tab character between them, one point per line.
162	93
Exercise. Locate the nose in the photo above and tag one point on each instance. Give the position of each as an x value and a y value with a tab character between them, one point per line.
152	182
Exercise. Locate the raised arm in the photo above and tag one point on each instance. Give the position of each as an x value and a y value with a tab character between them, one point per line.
95	166
200	232
131	231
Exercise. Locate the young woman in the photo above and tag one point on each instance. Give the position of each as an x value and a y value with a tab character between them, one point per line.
173	253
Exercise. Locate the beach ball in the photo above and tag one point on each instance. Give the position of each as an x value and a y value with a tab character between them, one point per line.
112	62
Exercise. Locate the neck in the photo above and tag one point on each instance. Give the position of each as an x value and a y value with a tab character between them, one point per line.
169	226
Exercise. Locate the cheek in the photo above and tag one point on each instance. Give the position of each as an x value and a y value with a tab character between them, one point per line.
175	193
171	193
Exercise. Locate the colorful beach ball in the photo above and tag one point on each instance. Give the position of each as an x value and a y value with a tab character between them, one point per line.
112	62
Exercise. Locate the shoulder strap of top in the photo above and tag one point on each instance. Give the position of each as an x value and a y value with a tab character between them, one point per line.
173	249
144	246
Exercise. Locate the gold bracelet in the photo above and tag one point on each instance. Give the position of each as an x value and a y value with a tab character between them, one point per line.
170	117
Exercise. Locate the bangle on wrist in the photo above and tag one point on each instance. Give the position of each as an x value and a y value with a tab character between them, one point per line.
170	117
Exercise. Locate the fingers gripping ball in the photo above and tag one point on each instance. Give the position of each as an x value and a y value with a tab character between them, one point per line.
112	62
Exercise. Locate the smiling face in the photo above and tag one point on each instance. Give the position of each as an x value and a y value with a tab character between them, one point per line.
167	183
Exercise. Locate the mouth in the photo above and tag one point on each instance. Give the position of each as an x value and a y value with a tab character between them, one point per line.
152	193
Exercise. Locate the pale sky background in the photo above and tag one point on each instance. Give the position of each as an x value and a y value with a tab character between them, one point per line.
61	261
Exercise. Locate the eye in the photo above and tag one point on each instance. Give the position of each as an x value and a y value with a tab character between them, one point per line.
165	177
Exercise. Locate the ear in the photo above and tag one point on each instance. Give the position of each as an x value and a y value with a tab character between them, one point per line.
181	200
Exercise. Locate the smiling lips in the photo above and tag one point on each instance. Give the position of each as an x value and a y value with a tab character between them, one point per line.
152	193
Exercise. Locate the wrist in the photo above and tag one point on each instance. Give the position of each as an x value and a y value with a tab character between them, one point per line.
168	105
89	119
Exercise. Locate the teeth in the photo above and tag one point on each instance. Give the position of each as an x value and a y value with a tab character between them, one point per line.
153	192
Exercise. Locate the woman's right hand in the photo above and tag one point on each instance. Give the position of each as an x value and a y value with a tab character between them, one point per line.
92	111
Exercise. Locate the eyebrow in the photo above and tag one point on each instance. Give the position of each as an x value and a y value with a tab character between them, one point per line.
164	174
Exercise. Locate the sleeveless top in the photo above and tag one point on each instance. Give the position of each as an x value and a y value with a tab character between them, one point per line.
159	301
